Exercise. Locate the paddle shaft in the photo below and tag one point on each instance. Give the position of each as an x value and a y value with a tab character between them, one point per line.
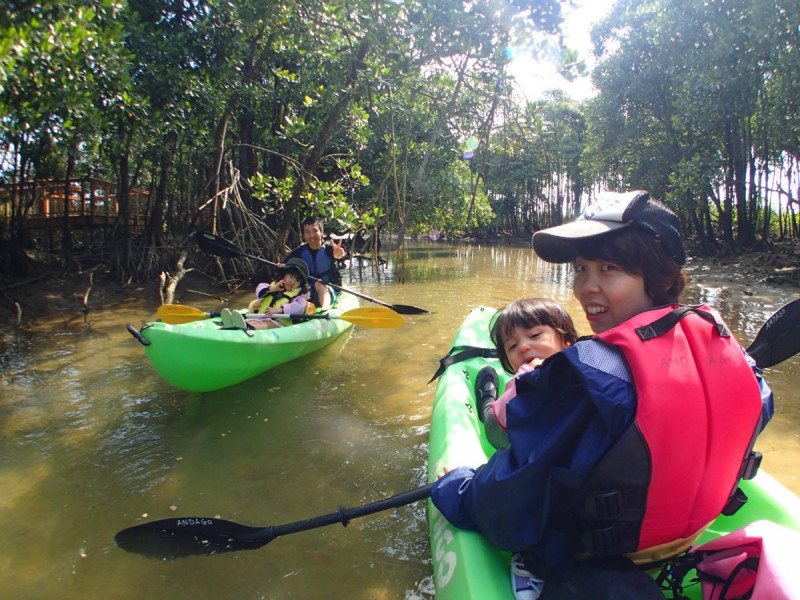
345	515
312	278
220	246
189	536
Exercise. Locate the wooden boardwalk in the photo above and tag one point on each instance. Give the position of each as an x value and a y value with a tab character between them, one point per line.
92	204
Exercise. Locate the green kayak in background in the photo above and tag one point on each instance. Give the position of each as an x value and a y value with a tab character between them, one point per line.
201	356
465	565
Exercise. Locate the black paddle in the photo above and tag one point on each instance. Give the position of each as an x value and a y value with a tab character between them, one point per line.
779	337
222	247
186	536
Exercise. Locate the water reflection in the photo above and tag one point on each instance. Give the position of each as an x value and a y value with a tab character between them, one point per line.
93	441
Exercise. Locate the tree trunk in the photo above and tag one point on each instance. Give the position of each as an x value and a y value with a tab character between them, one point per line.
66	236
314	156
437	131
741	150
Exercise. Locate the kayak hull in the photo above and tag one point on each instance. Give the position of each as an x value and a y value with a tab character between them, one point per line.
201	356
465	565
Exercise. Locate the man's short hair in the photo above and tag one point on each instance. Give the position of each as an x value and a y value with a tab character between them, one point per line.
311	221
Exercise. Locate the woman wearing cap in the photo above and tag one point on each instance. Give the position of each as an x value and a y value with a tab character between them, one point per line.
629	443
288	295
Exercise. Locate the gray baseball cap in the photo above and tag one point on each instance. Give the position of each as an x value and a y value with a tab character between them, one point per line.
612	211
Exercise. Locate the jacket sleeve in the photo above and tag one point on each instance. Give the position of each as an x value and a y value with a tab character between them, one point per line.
558	431
767	398
297	306
262	289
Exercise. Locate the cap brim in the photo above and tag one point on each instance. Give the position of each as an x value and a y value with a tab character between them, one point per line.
559	244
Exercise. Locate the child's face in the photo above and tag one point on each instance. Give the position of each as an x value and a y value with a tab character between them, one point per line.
608	294
290	282
525	344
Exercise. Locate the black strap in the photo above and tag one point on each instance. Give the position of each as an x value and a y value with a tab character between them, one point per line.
668	321
461	353
674	571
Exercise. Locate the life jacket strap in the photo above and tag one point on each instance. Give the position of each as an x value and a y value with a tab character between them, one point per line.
461	353
614	525
750	467
668	321
604	541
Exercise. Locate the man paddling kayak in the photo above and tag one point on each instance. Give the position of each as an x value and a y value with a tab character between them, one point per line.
321	260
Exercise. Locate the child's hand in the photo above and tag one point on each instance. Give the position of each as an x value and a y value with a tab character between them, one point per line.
280	286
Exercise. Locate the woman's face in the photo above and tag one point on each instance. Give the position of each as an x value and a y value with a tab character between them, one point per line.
608	294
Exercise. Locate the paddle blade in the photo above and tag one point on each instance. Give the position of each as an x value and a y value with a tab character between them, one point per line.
216	245
175	314
372	316
779	338
188	536
405	309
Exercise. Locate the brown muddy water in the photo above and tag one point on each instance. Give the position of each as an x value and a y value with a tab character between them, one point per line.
93	441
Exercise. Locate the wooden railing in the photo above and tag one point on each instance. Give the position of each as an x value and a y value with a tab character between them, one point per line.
92	203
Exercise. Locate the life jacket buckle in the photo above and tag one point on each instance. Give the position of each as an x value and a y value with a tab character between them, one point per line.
602	541
735	503
751	465
604	506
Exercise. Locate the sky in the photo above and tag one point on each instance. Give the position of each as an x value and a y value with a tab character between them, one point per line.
536	77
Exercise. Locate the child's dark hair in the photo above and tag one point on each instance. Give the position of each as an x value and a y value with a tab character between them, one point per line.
528	313
637	252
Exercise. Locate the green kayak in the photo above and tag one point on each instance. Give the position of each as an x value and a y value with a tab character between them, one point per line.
465	565
201	356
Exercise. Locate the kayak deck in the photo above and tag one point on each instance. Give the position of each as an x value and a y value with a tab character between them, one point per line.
201	356
465	565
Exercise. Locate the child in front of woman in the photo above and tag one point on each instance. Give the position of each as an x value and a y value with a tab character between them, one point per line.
287	295
525	332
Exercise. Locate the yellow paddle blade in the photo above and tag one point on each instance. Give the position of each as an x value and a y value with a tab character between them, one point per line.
372	316
175	314
367	316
